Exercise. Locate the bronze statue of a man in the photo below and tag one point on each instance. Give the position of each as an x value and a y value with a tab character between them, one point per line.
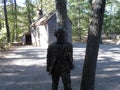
60	60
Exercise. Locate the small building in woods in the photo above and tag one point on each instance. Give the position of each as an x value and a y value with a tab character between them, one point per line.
42	30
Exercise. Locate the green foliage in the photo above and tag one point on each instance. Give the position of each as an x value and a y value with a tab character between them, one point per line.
112	18
47	6
79	12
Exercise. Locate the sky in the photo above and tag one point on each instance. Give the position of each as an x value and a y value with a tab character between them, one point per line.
20	2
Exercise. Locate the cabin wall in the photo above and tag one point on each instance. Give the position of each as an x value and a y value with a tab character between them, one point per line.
43	32
52	26
34	36
69	31
40	36
51	29
43	35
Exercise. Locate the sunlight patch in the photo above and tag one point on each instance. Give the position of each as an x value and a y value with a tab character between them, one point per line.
102	75
111	69
75	77
28	62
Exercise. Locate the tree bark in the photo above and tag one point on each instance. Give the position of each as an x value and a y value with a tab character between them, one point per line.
61	14
92	48
79	18
15	23
6	22
0	23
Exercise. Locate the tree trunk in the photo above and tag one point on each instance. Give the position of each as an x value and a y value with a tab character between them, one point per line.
6	22
79	28
15	23
94	34
90	1
61	14
41	5
0	23
28	13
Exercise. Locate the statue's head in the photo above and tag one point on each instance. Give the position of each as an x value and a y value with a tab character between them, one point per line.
60	35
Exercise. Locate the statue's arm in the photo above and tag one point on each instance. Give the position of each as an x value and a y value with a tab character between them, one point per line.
48	59
70	56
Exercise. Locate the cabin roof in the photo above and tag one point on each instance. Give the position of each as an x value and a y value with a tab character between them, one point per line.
43	20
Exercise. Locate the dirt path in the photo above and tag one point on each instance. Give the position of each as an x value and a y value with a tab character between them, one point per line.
25	69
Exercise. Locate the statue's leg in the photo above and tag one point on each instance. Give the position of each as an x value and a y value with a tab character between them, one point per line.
66	80
55	81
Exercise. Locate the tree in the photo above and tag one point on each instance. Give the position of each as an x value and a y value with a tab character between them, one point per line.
0	22
6	22
61	14
15	23
94	34
28	4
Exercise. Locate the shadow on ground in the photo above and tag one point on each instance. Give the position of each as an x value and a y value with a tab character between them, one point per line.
25	69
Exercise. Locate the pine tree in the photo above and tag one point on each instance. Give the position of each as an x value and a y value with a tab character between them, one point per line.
6	22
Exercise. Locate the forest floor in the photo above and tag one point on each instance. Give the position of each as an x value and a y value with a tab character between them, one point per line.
24	68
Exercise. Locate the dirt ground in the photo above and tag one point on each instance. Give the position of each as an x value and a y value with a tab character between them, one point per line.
24	68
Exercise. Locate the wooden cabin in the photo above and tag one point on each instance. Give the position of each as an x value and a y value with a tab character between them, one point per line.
42	32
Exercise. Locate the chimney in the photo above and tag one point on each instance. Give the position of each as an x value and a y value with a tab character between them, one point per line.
40	13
